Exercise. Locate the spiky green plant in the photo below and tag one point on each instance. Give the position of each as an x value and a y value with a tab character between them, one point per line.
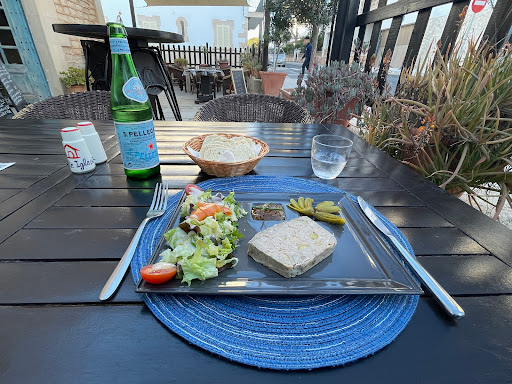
451	121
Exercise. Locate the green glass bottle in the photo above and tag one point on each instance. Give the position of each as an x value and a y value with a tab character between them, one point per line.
131	110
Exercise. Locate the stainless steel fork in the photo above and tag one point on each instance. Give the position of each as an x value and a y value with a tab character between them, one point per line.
158	207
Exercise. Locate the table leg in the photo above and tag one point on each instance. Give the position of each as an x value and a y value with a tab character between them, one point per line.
188	85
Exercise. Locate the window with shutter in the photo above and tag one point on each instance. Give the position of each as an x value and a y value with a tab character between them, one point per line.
223	36
149	24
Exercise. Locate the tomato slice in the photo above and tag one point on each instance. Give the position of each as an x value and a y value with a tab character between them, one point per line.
158	273
190	187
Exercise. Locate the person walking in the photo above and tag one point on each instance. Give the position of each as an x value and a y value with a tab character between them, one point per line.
307	54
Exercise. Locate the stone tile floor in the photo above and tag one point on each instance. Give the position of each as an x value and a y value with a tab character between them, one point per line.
188	107
186	103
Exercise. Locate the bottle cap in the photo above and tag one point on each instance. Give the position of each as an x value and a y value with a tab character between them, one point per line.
86	128
70	134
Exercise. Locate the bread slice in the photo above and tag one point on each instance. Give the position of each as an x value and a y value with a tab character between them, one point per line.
292	247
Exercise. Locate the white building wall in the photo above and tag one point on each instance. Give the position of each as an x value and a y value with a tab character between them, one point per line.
201	21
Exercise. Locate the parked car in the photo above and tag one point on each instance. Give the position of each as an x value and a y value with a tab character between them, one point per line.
281	57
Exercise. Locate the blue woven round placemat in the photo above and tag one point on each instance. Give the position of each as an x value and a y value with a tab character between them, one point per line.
278	332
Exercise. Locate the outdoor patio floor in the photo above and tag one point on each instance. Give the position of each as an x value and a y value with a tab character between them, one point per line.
188	107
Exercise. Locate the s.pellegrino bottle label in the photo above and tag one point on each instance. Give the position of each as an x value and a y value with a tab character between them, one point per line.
134	90
137	143
119	45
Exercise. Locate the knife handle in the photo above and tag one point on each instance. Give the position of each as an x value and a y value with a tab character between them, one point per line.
443	297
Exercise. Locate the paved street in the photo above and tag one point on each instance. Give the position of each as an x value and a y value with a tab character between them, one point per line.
293	70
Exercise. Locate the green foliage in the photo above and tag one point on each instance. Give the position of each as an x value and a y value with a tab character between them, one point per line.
300	44
317	12
320	42
249	62
281	17
451	121
329	89
181	61
290	47
73	76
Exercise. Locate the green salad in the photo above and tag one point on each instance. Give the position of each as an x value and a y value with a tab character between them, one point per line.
203	243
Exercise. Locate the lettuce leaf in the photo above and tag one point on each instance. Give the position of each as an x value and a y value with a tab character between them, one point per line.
209	227
221	263
169	235
182	244
185	207
205	195
168	256
225	250
230	199
198	267
234	236
177	236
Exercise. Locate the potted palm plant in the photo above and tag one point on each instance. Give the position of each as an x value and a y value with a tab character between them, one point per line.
74	79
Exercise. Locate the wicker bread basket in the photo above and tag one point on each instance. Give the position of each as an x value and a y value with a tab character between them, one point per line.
220	169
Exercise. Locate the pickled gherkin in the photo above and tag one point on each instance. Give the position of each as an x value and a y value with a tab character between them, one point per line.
324	211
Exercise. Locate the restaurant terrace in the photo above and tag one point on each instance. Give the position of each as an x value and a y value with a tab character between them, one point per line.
248	191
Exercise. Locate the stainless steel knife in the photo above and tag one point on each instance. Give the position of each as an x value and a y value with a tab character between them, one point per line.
448	303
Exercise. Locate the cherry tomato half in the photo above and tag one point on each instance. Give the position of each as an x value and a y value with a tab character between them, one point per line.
158	273
190	187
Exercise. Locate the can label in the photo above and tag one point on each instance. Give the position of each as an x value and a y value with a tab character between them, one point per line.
137	143
119	45
134	90
79	157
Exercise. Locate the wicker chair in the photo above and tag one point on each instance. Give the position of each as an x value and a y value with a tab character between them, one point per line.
253	107
177	75
94	105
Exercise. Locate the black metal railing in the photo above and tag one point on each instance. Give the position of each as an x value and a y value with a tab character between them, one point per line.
206	54
347	20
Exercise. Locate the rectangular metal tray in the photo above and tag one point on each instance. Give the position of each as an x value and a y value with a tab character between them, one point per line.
362	263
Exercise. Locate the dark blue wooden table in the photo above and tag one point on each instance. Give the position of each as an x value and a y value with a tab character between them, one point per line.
61	236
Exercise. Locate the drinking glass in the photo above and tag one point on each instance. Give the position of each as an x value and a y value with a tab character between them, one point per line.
329	155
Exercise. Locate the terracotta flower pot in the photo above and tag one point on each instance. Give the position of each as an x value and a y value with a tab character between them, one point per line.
223	64
76	88
272	82
342	115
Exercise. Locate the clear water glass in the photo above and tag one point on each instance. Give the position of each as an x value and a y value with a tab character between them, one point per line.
329	155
